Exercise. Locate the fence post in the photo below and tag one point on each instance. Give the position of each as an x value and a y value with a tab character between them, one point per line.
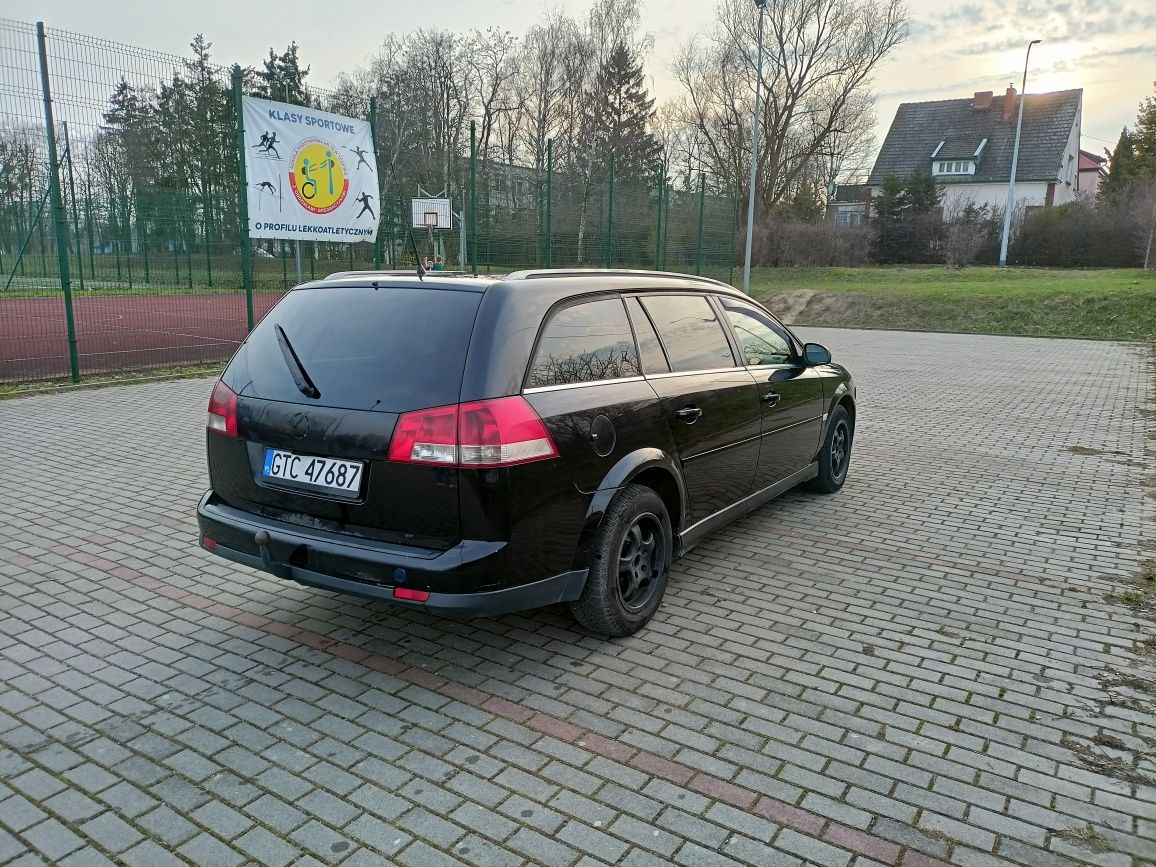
114	230
243	201
610	216
734	234
188	241
665	217
549	202
88	229
207	221
72	202
126	227
57	204
144	243
701	218
377	234
176	252
473	197
658	225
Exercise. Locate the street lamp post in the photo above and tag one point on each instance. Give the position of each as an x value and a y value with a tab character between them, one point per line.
1011	183
762	4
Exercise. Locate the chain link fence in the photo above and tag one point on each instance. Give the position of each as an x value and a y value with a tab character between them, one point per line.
122	253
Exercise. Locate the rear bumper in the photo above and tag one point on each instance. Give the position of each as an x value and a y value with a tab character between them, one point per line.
362	567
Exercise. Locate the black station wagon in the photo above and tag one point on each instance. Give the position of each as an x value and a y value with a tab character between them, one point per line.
477	446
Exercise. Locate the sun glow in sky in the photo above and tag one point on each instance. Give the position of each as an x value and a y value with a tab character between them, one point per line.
1107	47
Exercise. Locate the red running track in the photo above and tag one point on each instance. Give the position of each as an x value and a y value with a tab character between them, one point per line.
121	332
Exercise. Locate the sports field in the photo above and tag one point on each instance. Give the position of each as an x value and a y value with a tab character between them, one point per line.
117	333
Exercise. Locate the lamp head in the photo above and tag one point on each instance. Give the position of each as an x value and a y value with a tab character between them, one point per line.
1034	42
761	3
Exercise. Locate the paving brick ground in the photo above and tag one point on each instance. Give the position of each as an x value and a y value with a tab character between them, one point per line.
920	669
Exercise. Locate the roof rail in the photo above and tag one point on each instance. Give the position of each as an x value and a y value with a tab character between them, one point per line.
610	272
408	272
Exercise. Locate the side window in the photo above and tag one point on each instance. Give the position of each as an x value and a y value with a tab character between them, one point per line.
653	358
761	338
586	342
691	333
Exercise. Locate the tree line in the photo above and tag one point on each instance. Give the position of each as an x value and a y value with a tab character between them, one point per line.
159	166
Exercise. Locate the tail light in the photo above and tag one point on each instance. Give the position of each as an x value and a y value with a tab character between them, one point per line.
426	437
487	433
223	410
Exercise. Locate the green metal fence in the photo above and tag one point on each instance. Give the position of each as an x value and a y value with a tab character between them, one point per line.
120	221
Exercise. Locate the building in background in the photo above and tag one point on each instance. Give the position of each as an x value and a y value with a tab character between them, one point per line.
967	146
850	205
1093	170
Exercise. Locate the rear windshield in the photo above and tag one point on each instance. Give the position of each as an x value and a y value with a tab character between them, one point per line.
387	349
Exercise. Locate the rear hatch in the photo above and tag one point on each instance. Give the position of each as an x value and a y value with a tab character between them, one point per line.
320	384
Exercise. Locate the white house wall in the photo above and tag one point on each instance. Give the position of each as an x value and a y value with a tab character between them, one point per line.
1069	183
956	197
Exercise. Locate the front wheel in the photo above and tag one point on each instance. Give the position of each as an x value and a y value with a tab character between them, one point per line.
835	456
629	566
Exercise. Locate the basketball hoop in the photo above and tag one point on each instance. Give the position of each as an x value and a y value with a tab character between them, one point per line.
435	214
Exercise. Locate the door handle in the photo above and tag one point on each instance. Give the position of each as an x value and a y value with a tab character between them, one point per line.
689	414
771	398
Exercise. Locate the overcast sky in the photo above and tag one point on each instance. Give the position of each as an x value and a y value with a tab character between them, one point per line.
1107	47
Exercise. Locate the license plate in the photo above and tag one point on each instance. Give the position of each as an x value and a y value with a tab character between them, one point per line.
322	474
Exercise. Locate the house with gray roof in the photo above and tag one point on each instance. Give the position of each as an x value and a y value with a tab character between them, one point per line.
967	145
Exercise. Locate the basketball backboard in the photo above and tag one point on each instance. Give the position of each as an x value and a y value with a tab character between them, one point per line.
432	213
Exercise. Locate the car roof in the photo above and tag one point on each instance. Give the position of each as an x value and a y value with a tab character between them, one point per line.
555	283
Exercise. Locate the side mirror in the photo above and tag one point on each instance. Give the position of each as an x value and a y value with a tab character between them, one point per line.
816	353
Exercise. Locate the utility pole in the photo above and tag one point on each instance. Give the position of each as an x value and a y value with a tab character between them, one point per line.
755	135
1011	183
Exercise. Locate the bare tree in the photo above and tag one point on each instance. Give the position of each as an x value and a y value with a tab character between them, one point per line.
821	55
437	62
541	84
492	58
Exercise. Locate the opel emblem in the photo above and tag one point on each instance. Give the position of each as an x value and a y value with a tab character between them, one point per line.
299	426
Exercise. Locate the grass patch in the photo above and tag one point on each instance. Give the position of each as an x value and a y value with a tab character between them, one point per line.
1102	763
1086	837
1138	593
9	390
1106	304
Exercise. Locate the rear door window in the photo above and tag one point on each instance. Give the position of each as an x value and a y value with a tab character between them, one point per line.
691	333
649	346
586	342
391	349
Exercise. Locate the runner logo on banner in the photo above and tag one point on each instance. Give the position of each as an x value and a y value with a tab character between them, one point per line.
312	175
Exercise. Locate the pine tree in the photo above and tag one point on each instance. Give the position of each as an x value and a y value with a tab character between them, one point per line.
888	204
283	79
921	194
621	114
1145	136
1122	168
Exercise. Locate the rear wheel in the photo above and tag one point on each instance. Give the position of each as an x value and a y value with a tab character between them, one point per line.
835	456
629	566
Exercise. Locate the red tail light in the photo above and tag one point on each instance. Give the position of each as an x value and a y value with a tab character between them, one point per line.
223	410
428	436
487	433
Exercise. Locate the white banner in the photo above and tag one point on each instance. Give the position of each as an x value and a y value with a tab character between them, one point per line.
312	175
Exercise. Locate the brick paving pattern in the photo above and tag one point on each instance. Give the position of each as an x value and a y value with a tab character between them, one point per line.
922	669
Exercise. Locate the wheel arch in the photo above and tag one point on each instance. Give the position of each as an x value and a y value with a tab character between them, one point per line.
654	468
848	403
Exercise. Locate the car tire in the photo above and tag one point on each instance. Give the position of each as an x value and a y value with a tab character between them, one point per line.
629	564
835	456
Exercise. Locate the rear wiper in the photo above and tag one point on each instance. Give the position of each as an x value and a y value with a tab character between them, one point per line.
300	376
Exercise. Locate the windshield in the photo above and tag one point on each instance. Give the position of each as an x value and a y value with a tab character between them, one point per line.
387	349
